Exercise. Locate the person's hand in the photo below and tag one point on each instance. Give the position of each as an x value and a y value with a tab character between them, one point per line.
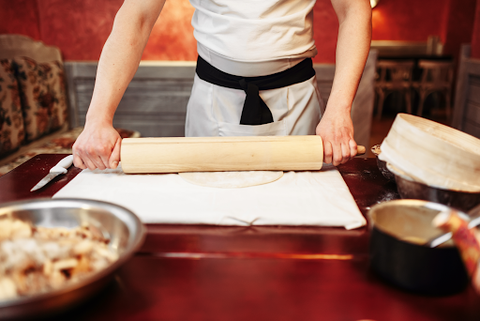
98	146
336	130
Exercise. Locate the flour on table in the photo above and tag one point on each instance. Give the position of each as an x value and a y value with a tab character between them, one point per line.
231	179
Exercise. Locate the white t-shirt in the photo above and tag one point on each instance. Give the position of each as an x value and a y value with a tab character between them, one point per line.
273	34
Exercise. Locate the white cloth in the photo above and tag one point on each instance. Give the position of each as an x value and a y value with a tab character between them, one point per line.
215	111
253	30
319	198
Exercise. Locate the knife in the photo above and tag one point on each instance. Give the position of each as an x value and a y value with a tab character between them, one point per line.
60	168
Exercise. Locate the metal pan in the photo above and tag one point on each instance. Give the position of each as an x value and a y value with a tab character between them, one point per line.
124	229
399	229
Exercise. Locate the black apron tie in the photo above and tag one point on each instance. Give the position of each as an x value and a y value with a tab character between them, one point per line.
255	111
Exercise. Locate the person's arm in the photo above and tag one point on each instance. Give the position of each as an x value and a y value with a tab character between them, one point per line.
354	35
98	146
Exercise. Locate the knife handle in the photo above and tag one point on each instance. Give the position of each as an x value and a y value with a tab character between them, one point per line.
62	165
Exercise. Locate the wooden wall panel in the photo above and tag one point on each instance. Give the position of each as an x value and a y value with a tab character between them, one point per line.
156	99
476	33
472	114
466	113
154	103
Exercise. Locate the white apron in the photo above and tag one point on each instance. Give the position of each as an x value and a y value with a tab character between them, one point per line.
215	111
275	35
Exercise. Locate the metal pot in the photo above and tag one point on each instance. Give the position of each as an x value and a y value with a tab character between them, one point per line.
399	228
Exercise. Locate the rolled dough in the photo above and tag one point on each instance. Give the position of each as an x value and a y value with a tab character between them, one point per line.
231	179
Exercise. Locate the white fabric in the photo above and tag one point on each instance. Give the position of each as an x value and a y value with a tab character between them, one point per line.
254	30
298	198
215	111
250	68
253	38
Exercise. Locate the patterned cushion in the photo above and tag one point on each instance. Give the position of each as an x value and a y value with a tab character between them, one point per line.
12	131
43	95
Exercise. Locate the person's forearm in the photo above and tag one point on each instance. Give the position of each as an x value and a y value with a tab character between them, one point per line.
352	50
336	126
121	56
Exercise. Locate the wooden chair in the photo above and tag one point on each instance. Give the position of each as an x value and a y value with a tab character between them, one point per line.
394	76
437	76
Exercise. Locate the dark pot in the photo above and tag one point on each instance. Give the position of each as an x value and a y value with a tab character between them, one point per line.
398	230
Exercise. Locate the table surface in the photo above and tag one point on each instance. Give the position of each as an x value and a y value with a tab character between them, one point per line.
186	272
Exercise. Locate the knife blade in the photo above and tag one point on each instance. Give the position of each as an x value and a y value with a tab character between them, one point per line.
60	168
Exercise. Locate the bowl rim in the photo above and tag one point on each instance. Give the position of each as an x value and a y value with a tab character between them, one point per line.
133	246
410	202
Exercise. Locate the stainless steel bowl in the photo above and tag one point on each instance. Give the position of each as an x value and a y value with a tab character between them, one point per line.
408	188
121	226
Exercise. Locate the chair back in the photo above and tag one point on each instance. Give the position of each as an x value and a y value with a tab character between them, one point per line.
394	73
436	73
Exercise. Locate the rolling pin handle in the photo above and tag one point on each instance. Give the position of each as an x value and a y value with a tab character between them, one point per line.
361	150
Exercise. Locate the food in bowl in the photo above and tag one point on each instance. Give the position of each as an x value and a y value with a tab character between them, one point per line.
35	259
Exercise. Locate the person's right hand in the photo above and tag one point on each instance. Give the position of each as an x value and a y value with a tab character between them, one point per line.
98	146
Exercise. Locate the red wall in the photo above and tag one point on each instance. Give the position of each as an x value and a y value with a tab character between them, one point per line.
410	20
476	34
172	36
80	27
458	25
21	17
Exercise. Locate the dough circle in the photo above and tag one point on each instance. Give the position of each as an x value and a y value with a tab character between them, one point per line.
231	179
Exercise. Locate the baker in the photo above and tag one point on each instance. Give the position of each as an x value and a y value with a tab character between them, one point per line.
254	74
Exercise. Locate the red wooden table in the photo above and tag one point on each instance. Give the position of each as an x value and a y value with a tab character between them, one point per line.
186	272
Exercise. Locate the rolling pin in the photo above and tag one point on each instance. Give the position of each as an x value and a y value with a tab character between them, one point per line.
214	154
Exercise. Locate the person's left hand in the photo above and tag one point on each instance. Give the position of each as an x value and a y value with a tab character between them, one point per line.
336	130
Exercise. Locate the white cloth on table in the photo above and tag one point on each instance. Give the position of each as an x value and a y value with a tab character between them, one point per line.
319	198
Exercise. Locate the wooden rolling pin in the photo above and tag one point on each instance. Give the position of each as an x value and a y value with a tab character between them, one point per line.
214	154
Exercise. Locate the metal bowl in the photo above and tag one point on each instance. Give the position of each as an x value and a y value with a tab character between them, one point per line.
409	188
399	229
123	228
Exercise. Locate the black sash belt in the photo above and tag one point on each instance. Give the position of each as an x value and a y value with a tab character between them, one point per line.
255	111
